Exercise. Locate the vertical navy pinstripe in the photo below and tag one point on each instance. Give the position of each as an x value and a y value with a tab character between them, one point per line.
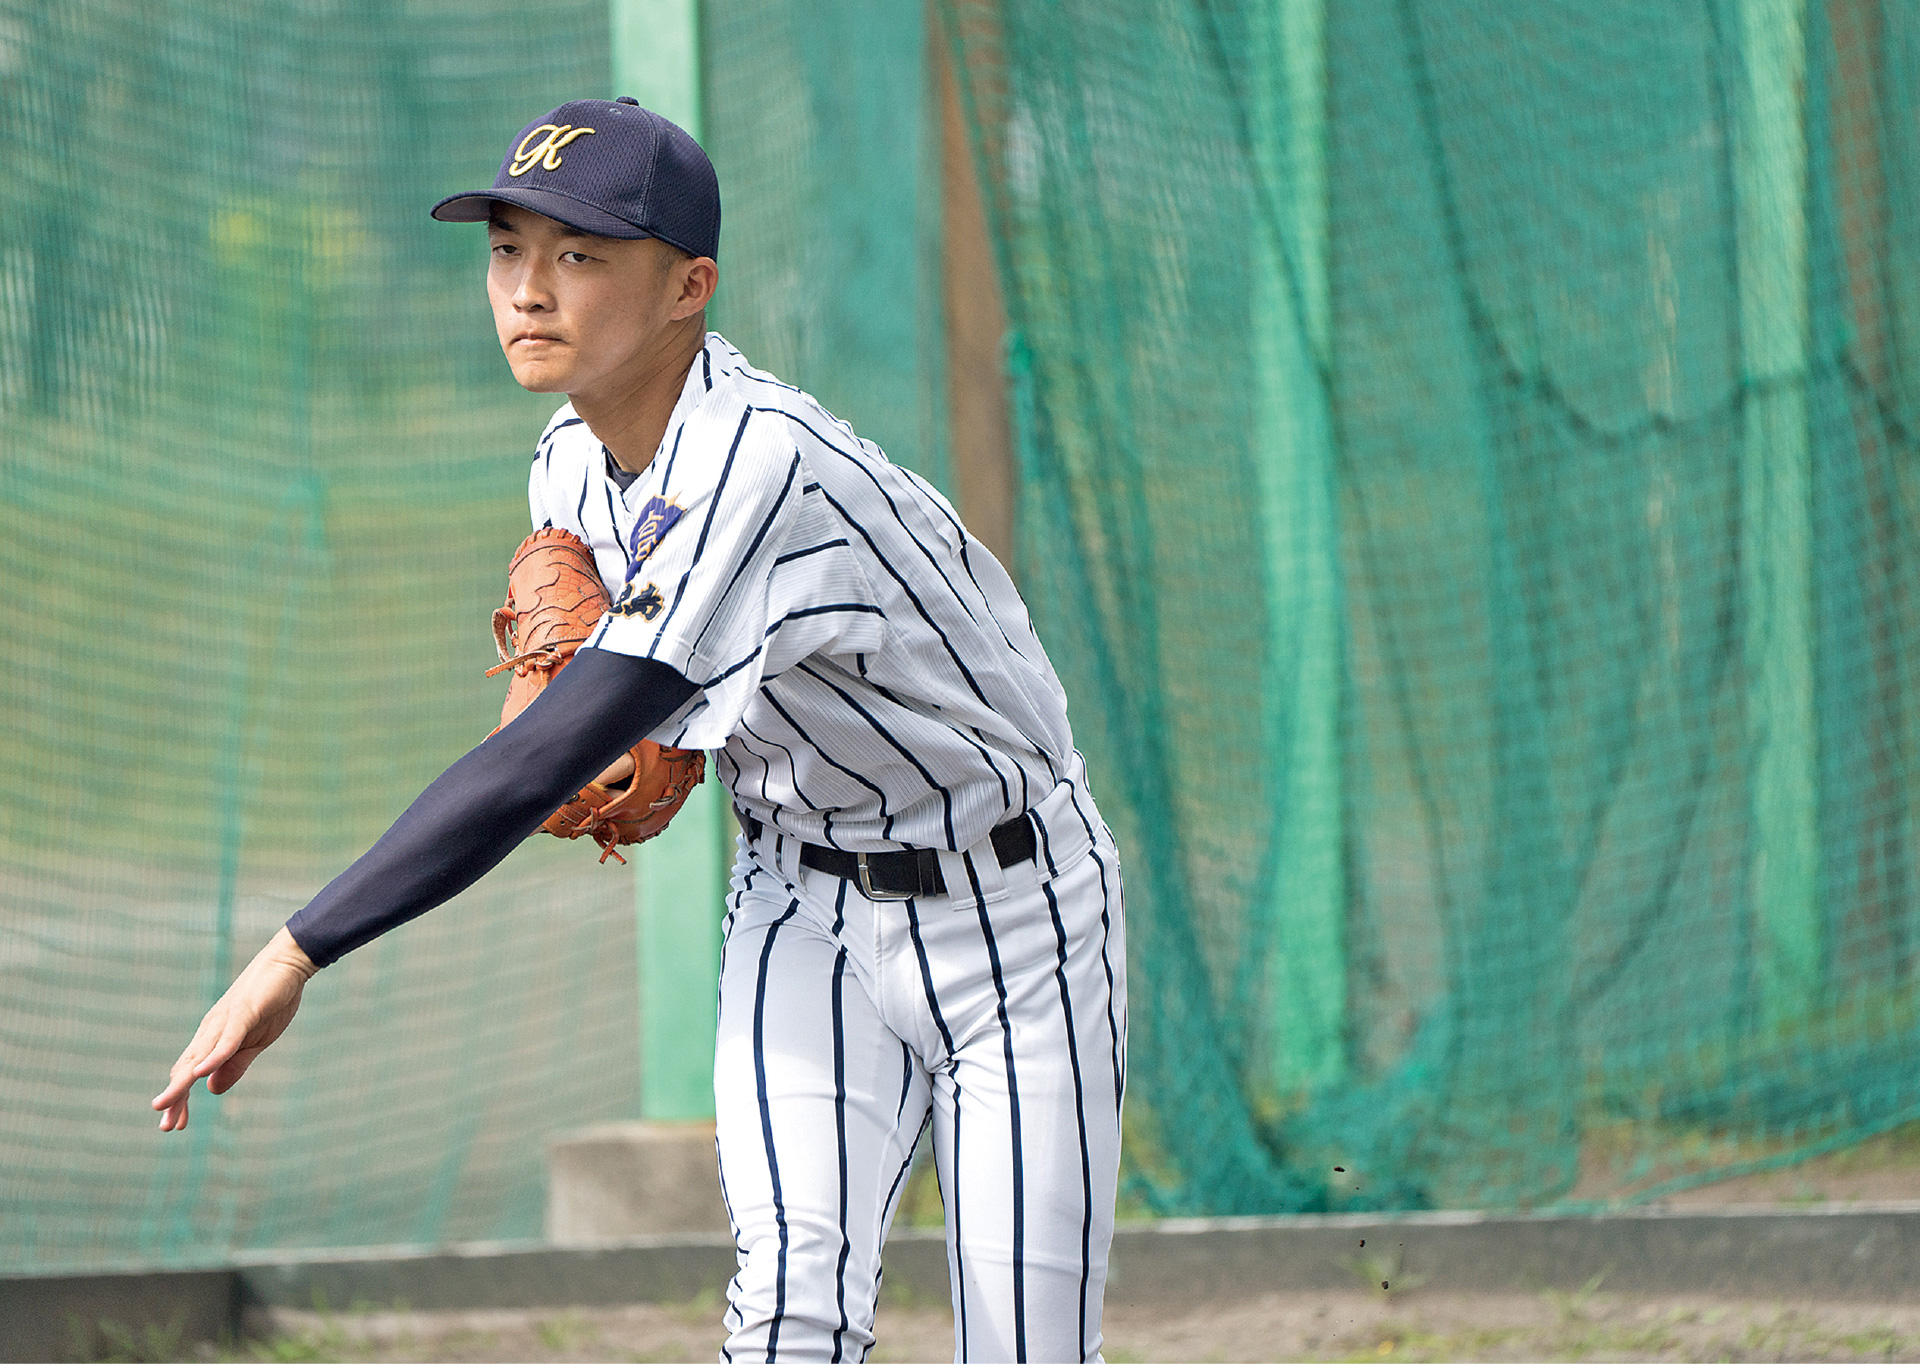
840	1137
1079	1113
766	1128
1013	1120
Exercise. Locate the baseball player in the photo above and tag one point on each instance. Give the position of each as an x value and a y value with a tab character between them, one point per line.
924	922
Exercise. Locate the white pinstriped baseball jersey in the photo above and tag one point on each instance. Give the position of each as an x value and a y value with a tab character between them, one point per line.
867	669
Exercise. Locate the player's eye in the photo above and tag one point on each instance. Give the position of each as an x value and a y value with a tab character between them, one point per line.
574	257
504	248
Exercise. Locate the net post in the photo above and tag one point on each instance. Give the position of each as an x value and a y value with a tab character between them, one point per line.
656	57
1293	457
1776	521
680	878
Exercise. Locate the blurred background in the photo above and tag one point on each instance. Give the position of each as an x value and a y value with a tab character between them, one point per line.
1461	458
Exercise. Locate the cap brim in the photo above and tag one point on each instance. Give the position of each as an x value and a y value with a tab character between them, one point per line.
475	206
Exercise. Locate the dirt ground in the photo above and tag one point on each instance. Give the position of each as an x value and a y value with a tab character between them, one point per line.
1342	1326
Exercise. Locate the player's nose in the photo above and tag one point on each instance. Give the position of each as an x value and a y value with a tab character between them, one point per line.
530	291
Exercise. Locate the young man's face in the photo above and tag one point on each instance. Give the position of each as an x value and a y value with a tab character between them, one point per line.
578	313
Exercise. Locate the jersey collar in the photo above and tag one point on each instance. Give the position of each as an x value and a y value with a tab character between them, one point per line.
702	377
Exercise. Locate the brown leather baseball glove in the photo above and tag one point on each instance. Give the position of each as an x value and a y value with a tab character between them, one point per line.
554	596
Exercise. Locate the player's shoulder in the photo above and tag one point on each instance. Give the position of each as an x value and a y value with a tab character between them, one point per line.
782	419
748	417
852	471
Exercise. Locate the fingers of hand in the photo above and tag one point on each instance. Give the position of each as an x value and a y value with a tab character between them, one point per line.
180	1079
221	1066
225	1064
193	1061
230	1071
220	1055
212	1025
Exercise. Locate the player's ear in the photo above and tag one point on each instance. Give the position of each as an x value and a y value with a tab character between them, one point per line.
697	277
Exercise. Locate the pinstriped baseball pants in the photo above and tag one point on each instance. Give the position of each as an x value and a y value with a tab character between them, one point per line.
847	1024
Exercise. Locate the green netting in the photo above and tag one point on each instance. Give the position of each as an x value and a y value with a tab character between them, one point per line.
1466	461
820	123
1468	476
262	459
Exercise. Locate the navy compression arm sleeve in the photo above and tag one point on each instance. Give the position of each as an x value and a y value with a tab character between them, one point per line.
478	811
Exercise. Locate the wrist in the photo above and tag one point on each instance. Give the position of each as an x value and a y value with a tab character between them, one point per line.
286	950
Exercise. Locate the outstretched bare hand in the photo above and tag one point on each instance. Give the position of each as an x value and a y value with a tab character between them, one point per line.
256	1009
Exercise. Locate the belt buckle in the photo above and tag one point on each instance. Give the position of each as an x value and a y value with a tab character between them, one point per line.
866	883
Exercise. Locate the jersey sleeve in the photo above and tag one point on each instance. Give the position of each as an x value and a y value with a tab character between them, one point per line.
735	576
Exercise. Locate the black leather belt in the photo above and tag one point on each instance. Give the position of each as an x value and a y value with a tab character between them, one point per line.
910	871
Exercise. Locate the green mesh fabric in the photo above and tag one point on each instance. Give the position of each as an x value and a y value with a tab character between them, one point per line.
1467	470
820	124
1465	482
263	464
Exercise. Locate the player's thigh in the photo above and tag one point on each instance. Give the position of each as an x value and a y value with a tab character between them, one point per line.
1028	1124
817	1106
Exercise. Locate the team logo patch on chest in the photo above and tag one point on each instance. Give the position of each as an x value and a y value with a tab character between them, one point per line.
646	603
656	519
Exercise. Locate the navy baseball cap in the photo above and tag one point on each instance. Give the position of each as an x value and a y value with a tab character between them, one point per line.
607	167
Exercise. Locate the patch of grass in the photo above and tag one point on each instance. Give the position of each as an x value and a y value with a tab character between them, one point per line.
1572	1307
330	1339
326	1342
1878	1341
566	1333
111	1340
702	1310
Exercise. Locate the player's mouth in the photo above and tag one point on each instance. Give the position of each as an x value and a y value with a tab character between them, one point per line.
533	338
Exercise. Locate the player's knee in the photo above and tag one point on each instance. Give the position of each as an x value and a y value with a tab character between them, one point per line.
808	1294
